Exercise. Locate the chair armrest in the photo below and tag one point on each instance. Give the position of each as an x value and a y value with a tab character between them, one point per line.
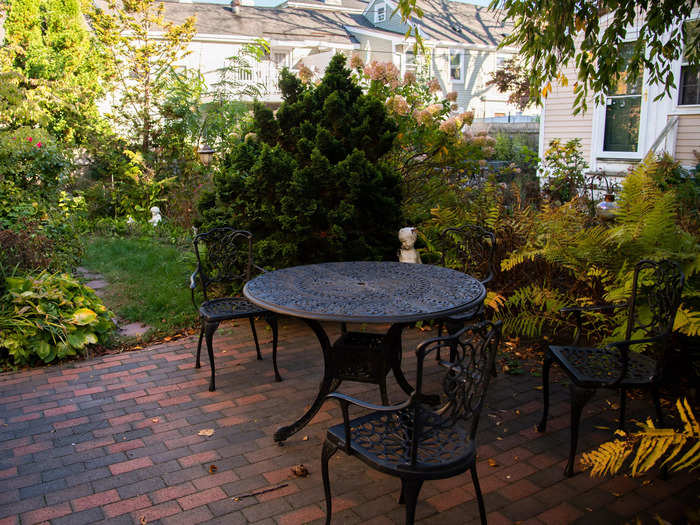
592	308
193	286
345	401
624	348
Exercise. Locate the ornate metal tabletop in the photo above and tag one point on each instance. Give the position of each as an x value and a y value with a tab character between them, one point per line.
366	292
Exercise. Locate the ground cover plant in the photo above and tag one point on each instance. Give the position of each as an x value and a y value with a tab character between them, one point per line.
149	280
48	317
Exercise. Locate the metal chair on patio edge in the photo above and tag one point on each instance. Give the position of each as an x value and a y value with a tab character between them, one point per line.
227	258
415	441
656	291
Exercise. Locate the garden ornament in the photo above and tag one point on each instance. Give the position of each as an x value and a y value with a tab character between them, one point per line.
130	220
407	253
155	216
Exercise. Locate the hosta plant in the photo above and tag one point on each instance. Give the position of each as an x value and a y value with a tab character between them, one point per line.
49	317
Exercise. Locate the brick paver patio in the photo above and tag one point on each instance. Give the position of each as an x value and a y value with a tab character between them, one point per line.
116	440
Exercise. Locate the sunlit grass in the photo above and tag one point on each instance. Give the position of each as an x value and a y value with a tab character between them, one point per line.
148	280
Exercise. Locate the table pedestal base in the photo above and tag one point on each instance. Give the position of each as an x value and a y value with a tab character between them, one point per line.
355	356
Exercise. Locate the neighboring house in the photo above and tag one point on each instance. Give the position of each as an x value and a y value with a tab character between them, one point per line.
461	48
460	40
619	133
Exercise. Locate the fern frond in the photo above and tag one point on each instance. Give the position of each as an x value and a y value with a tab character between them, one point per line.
652	444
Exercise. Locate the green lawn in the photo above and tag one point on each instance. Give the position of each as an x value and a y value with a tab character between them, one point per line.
149	281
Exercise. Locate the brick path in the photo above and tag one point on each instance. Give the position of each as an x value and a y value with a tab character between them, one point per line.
115	440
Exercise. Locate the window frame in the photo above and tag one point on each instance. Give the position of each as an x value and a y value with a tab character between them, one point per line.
690	109
457	52
377	7
599	119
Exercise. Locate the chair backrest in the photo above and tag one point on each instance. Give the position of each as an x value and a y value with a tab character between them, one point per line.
471	352
224	255
656	295
470	249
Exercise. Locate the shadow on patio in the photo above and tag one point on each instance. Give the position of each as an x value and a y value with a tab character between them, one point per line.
117	439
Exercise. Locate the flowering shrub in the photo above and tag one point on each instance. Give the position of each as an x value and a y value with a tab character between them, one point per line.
433	151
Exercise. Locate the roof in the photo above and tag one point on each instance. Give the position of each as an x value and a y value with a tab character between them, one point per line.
284	23
443	20
454	21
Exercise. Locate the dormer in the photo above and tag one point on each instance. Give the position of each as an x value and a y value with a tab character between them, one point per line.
380	13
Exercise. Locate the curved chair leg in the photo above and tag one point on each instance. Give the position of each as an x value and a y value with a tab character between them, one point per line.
272	321
542	426
209	336
255	337
439	333
623	408
579	397
199	345
479	496
409	491
328	450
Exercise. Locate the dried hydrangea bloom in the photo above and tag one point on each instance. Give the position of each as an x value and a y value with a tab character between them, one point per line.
452	96
467	117
482	163
305	74
251	137
434	85
356	62
423	116
449	126
399	105
434	109
409	78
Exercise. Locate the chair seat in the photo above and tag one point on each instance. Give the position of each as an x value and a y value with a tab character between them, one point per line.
229	308
598	366
384	441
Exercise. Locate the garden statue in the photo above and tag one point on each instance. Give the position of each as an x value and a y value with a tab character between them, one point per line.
407	238
155	216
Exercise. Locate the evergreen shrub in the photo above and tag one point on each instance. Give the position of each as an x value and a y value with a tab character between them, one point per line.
309	181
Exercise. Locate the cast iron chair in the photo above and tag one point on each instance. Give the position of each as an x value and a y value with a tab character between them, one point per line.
415	441
227	258
470	249
656	294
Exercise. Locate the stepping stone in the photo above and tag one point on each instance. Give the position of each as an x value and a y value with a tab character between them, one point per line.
97	284
133	329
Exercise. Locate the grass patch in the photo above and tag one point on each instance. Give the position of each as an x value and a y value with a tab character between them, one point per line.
148	280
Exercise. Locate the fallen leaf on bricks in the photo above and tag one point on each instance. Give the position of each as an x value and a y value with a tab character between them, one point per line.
143	520
206	432
300	471
305	438
492	462
213	469
155	419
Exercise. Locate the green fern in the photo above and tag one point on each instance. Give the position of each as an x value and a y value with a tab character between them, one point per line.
652	445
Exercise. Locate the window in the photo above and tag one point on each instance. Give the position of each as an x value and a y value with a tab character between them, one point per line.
456	64
501	61
380	13
410	60
279	59
623	108
689	85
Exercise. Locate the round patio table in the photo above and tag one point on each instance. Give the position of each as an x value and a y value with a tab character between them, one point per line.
362	292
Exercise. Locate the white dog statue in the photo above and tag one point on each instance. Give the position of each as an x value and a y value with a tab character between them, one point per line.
407	238
155	216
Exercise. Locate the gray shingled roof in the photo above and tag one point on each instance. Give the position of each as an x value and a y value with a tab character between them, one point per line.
442	20
453	21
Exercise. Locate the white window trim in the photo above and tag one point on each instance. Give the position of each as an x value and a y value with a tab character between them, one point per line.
377	6
677	109
461	66
598	135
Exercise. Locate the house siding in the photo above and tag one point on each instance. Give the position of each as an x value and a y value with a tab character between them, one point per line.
391	23
560	123
688	139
